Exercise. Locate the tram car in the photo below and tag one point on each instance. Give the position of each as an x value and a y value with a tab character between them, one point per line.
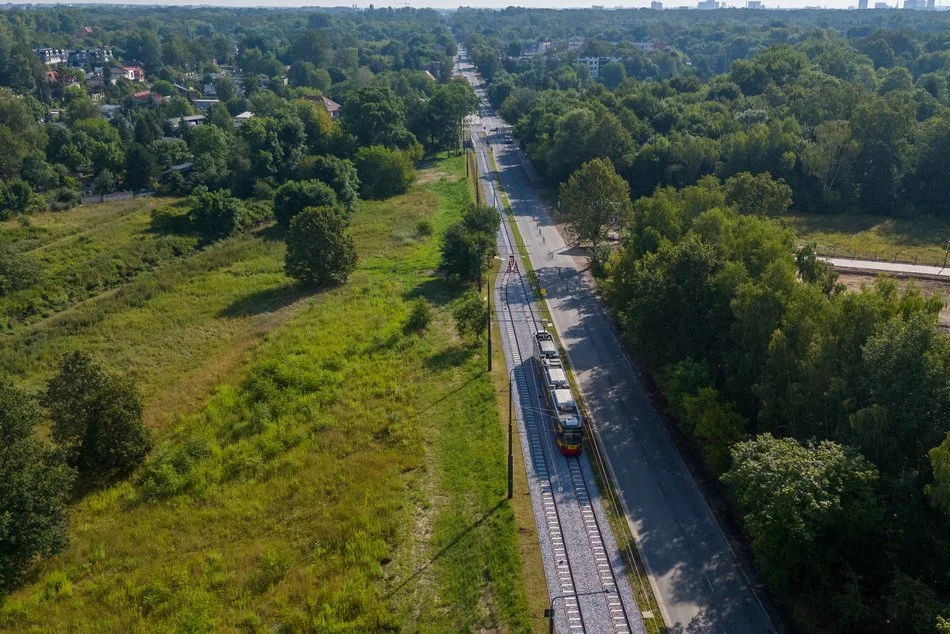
564	414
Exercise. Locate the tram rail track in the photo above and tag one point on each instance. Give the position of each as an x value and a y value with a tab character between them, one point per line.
534	419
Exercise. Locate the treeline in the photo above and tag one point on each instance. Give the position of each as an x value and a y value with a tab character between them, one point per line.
824	411
390	70
852	116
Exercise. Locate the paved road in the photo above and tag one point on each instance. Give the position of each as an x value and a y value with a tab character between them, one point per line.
695	575
913	270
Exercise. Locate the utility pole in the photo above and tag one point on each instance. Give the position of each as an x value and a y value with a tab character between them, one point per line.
490	290
511	462
946	253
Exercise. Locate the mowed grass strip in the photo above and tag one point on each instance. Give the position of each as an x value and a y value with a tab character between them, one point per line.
352	480
917	239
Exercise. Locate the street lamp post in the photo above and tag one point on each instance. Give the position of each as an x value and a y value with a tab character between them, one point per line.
549	613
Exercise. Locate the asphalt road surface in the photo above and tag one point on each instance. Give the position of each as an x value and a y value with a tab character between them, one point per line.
695	575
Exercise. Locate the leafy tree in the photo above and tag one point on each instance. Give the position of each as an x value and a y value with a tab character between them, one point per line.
376	116
923	181
97	416
16	197
814	270
340	174
320	252
307	75
104	182
445	111
293	197
209	145
216	215
759	194
806	506
468	245
34	489
140	167
471	316
595	200
583	135
224	88
383	172
715	424
612	74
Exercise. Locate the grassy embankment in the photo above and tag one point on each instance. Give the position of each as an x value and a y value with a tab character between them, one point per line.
920	240
353	475
636	571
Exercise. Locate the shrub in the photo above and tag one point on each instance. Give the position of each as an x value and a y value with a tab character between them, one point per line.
319	250
293	197
216	215
340	174
420	315
18	271
383	172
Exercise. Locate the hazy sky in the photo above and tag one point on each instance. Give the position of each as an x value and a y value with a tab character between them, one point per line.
452	4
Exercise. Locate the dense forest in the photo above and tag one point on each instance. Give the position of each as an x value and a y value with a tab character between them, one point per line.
823	411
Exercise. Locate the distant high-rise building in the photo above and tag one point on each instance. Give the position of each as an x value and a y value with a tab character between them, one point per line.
707	4
862	4
754	4
882	5
656	6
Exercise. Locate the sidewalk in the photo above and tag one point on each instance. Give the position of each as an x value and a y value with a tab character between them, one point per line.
911	270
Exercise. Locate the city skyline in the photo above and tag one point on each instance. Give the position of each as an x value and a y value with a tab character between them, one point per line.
487	4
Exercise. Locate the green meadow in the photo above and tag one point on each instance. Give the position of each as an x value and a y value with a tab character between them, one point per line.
318	467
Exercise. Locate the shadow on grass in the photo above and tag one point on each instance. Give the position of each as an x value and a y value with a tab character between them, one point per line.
163	221
436	290
270	233
445	549
451	357
266	301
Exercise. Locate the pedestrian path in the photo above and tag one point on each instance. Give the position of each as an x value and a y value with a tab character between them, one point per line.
915	270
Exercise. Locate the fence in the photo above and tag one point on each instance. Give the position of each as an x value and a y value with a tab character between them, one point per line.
87	200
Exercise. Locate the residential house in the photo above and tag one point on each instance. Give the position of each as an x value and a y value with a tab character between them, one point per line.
110	111
332	107
132	73
190	121
52	56
205	104
240	119
148	96
575	43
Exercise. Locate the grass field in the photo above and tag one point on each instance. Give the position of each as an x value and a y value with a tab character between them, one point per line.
920	240
349	477
84	252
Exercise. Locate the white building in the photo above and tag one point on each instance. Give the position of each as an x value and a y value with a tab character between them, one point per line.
594	63
575	43
52	56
